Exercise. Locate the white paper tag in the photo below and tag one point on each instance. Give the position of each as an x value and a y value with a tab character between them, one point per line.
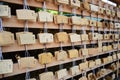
6	66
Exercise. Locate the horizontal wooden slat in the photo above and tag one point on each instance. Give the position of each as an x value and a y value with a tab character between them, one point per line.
13	22
15	47
109	72
37	45
17	70
70	76
49	5
34	3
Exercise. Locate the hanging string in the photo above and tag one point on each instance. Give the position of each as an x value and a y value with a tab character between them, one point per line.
73	46
45	27
84	73
26	30
99	31
27	76
105	31
111	35
46	69
98	28
92	29
45	48
1	56
118	40
110	20
60	9
61	47
74	11
73	29
45	24
85	45
1	29
25	6
98	40
60	13
60	30
84	32
111	31
44	6
93	71
91	13
72	78
26	26
61	66
98	16
73	62
27	55
98	57
110	54
26	51
61	27
83	29
118	32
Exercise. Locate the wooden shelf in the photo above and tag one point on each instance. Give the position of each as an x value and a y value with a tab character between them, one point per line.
70	76
49	5
17	70
106	74
13	22
15	47
37	45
